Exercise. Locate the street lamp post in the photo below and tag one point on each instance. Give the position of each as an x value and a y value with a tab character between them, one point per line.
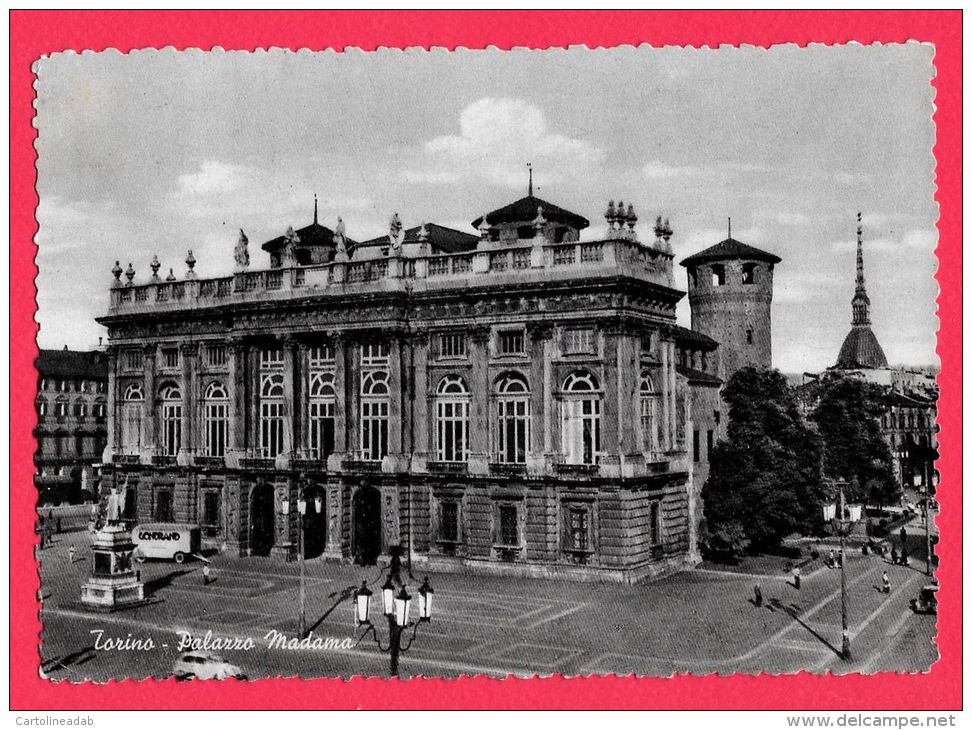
395	607
301	510
843	525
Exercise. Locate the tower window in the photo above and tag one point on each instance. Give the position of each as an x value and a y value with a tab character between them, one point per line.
718	275
525	232
749	337
749	274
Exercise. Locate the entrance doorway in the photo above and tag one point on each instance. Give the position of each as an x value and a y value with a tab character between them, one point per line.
315	522
261	519
366	511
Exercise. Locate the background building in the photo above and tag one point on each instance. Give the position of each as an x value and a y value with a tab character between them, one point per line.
513	401
72	412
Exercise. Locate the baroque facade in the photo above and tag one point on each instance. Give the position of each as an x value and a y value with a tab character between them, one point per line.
517	401
72	413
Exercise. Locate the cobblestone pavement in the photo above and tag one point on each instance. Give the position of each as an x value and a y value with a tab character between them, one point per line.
698	622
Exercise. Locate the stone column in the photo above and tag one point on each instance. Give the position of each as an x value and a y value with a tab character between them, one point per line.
396	400
253	400
540	333
420	399
672	405
302	406
236	438
479	446
113	426
149	446
289	345
353	389
341	402
610	405
666	402
187	443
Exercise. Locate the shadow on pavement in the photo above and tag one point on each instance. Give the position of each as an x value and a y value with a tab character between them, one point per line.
792	613
69	660
157	584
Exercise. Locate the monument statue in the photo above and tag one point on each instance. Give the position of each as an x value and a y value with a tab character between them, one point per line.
291	240
396	233
340	238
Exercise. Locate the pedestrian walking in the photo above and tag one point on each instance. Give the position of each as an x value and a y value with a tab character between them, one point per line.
894	556
832	559
796	578
71	554
885	583
757	596
840	558
206	574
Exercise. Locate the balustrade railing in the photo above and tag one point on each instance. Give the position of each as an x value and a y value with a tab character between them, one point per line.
611	254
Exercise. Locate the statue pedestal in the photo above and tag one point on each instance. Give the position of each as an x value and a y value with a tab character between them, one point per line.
113	584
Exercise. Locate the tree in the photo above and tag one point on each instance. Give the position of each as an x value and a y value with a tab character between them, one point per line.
848	417
764	479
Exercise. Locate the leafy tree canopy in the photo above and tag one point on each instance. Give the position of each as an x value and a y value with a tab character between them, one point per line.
765	478
848	418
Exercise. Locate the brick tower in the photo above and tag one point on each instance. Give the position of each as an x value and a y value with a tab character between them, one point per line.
730	288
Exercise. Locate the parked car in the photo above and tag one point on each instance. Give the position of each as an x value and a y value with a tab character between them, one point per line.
200	665
927	600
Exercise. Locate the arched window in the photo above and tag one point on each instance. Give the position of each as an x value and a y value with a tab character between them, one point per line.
374	415
321	414
171	399
271	415
215	418
649	414
513	418
451	419
581	419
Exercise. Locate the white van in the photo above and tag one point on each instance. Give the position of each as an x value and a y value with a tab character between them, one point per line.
166	541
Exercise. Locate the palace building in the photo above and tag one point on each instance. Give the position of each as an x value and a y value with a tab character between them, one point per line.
517	401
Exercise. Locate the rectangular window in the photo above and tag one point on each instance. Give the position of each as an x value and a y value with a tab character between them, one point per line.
61	409
696	445
170	357
449	521
100	410
579	342
509	529
80	410
582	431
83	386
131	427
271	429
321	429
452	419
654	512
374	353
578	529
511	342
514	429
216	355
452	346
271	358
709	443
210	515
43	384
42	408
321	356
217	419
171	428
374	429
133	360
163	506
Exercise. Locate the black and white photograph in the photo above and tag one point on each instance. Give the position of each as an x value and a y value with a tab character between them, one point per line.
440	362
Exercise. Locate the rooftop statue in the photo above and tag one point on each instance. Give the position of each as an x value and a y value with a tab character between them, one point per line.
241	253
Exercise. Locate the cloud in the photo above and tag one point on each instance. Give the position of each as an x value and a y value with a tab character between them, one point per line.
913	240
498	137
213	178
658	170
783	218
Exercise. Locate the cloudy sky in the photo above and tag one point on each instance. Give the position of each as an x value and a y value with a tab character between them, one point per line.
159	152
